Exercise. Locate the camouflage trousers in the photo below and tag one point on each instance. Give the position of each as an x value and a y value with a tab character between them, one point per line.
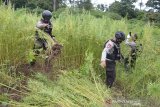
40	44
130	62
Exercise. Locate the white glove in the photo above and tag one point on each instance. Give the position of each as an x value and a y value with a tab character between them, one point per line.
127	40
128	36
53	37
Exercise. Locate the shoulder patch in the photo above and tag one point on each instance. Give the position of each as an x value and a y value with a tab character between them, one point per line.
109	45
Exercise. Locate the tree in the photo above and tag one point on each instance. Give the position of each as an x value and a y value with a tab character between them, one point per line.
6	2
155	4
128	1
43	4
58	4
102	7
85	4
141	5
19	3
124	8
82	4
72	2
115	7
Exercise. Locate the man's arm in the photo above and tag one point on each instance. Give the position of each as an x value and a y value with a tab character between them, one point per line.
41	25
127	40
103	58
107	50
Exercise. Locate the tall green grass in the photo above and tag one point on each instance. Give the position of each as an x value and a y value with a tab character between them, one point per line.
147	69
80	33
17	30
72	89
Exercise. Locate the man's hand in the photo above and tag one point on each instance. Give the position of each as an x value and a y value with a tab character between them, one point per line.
53	38
45	25
103	64
128	36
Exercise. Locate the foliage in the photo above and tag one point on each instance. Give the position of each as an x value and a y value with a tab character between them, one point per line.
16	34
50	4
97	13
129	1
71	89
68	91
141	15
33	4
86	4
80	33
81	4
155	4
154	17
47	4
19	3
123	8
76	11
102	7
114	16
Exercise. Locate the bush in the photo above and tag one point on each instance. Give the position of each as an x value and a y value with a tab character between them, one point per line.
140	15
114	16
97	13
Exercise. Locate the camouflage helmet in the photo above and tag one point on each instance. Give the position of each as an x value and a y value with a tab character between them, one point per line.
120	36
46	15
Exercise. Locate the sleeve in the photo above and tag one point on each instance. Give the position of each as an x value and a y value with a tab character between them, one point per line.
127	40
107	50
39	25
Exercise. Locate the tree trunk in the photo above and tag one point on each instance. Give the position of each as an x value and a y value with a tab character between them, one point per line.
141	5
6	2
54	5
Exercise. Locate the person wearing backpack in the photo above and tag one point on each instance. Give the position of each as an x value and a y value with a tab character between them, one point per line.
110	54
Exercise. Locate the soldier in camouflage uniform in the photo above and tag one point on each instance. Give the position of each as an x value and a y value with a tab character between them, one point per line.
131	58
44	25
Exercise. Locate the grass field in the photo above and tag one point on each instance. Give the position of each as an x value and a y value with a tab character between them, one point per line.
83	37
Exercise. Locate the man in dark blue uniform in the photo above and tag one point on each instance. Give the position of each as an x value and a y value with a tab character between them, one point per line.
110	54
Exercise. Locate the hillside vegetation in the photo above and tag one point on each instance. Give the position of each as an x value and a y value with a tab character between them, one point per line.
80	82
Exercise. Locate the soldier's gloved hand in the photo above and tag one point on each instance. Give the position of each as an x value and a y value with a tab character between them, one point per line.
128	36
103	64
45	25
53	37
